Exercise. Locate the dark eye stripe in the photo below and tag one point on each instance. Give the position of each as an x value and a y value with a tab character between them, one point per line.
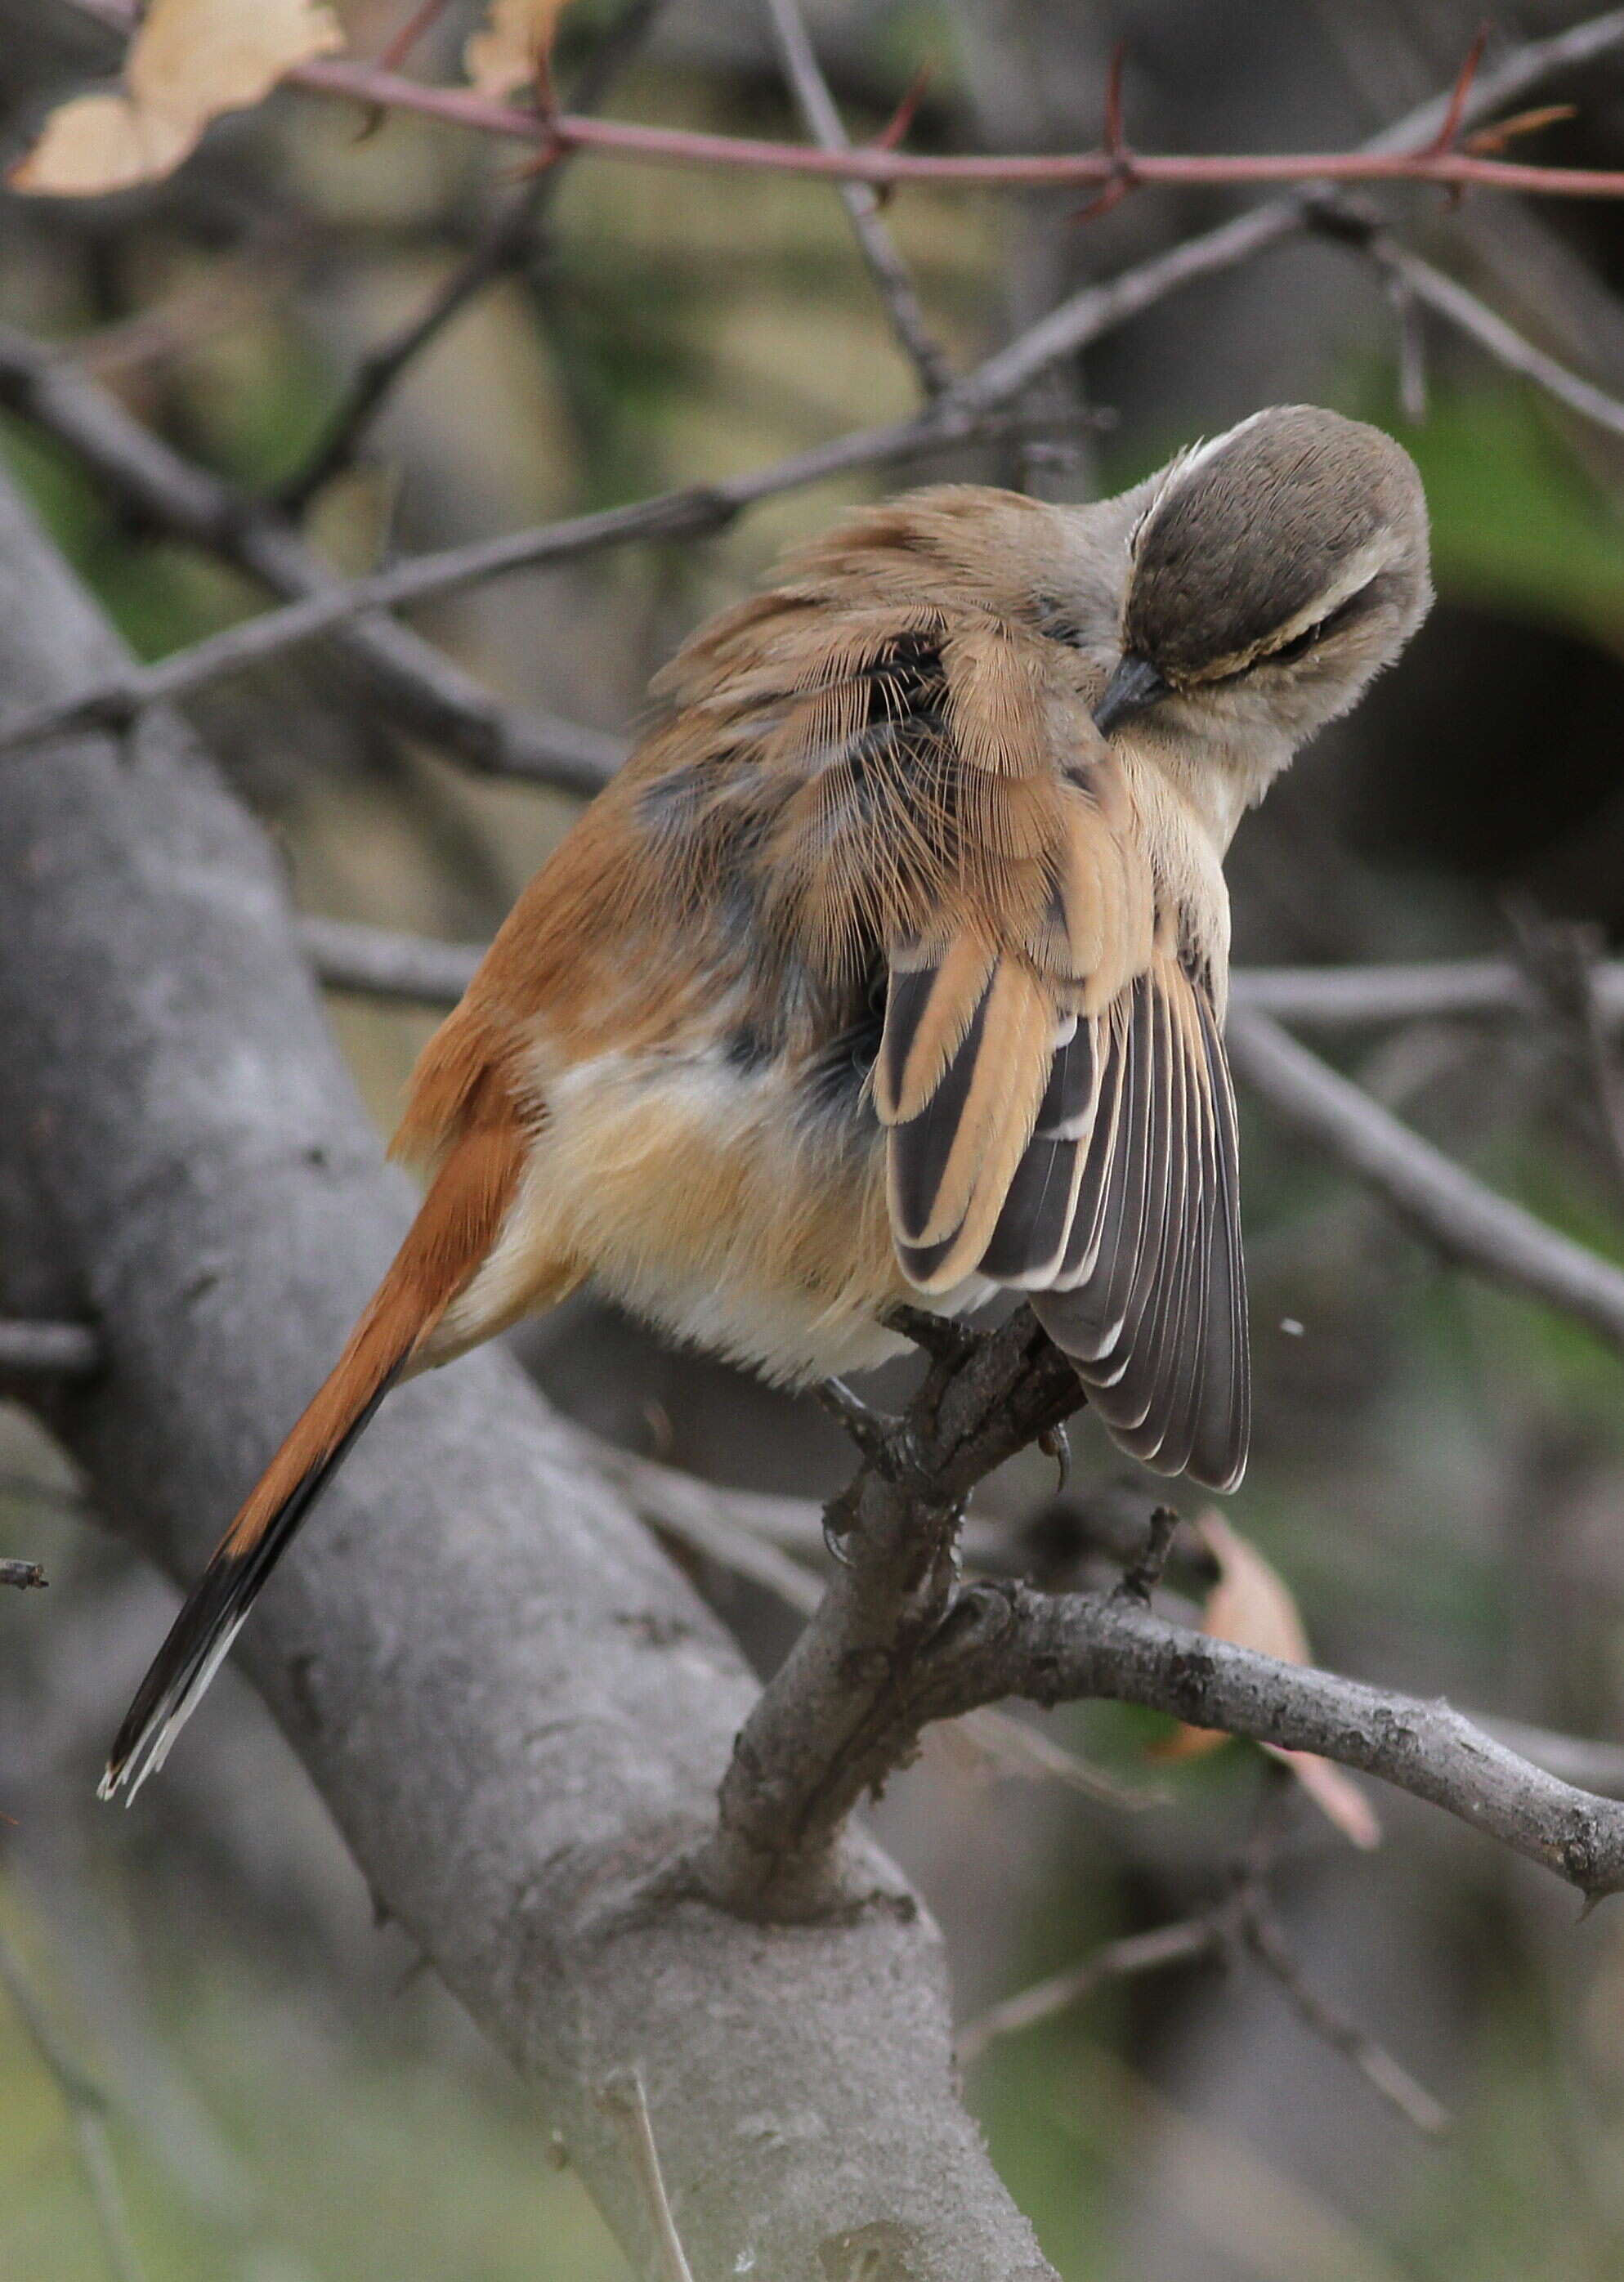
1300	644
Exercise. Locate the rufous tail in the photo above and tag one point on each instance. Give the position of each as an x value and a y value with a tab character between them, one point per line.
460	1218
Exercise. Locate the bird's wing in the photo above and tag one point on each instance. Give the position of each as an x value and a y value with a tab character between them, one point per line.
1054	1085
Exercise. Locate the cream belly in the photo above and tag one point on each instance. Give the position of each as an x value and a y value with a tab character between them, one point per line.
722	1204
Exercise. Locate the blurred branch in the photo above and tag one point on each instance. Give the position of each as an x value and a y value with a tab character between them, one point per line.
1264	1938
1417	281
1442	1202
87	2115
861	200
51	1350
502	248
1241	1919
1190	1941
1352	997
382	963
1431	153
427	695
488	736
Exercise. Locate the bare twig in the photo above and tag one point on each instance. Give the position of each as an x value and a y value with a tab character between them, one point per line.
427	695
576	760
87	2115
1416	281
886	265
623	2099
50	1350
1468	1222
1098	308
1190	1941
501	248
1265	1939
1352	997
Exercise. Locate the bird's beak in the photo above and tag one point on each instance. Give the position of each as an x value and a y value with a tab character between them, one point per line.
1133	687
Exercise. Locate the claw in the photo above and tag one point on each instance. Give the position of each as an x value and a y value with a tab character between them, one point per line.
869	1429
942	1339
1055	1443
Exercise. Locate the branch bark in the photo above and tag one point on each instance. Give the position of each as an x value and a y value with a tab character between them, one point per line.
513	1706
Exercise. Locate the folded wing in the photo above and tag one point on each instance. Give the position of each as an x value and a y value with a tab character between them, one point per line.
1061	1120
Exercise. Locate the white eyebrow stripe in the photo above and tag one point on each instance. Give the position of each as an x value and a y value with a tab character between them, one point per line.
1199	455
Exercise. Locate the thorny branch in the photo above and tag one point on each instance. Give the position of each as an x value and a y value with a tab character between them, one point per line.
505	246
434	698
899	1642
1437	156
886	267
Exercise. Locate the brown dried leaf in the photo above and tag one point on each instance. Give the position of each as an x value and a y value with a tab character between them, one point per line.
1252	1605
188	61
513	50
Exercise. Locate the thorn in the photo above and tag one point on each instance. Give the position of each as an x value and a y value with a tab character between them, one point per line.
1488	142
1444	141
1114	144
890	137
392	56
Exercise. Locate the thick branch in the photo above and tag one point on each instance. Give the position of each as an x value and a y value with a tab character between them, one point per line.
513	1706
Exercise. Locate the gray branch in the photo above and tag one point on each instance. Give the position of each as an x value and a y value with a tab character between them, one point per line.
889	272
382	963
1439	1199
515	1709
1057	1648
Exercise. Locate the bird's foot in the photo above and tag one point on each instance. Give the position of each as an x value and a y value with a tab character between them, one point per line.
943	1337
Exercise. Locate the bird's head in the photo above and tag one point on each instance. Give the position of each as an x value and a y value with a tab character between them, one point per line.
1273	572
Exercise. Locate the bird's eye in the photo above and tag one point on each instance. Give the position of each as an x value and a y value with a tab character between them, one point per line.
1299	645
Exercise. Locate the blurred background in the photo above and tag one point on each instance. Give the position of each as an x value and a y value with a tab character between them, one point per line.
1439	1470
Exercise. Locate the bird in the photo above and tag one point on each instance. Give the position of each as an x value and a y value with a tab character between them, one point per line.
890	969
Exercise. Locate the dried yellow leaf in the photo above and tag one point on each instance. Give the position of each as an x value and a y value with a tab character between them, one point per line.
513	49
1252	1605
189	60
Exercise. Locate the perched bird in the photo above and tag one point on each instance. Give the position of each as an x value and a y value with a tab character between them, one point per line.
891	969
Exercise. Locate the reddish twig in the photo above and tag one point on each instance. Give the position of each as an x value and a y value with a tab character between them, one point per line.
671	146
